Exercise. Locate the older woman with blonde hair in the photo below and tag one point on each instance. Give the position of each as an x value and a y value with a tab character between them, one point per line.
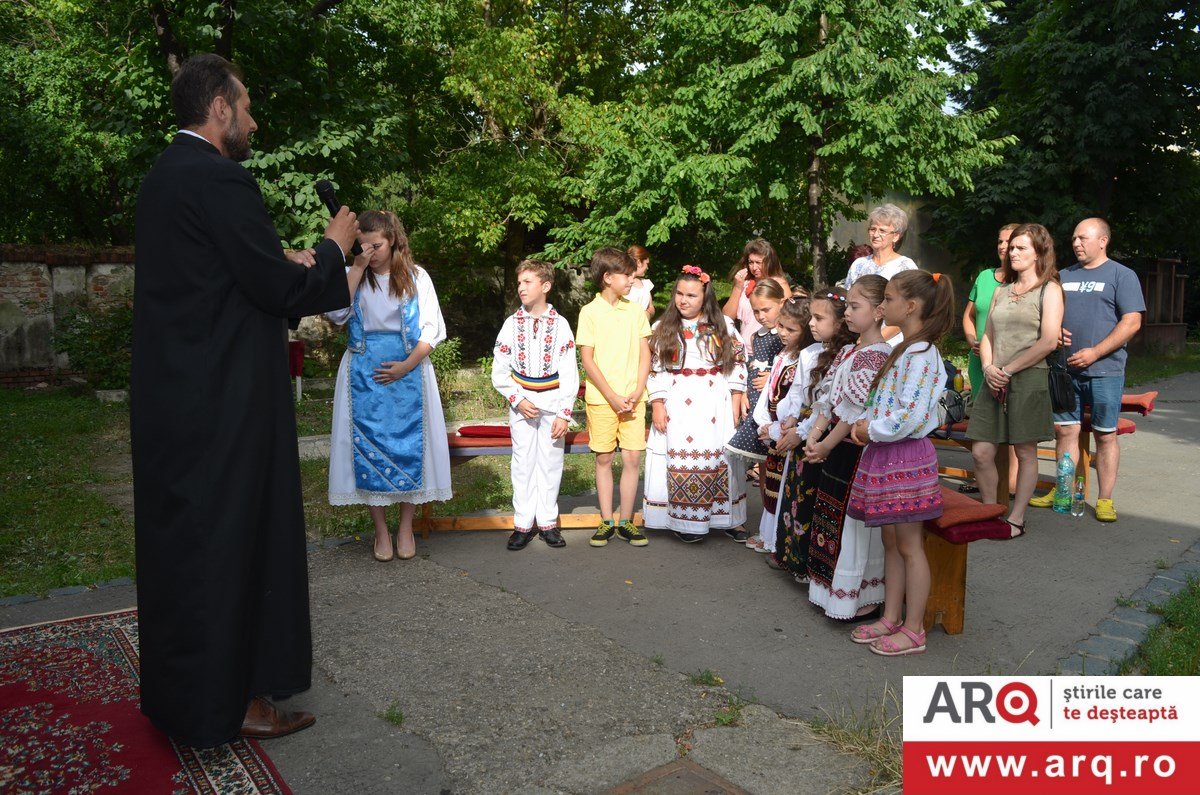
1013	404
886	226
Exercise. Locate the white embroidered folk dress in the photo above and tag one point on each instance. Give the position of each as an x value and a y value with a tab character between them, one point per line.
534	359
692	483
381	311
858	573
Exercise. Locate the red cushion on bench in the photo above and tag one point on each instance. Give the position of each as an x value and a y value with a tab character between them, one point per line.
972	531
959	509
964	520
1124	426
1142	404
486	431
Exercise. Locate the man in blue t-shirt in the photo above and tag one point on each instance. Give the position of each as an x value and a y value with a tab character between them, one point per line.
1104	307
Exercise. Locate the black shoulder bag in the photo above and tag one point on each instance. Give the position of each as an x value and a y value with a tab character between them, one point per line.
1062	386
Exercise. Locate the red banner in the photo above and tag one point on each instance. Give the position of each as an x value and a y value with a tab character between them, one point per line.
1051	768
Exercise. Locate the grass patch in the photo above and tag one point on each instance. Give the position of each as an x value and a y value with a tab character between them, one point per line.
66	516
732	714
706	678
658	660
872	734
1144	367
467	396
314	414
1173	647
393	715
56	526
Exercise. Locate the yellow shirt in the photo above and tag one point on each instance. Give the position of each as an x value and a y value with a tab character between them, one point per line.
615	334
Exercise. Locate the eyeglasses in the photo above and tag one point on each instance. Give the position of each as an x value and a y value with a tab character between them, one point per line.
880	230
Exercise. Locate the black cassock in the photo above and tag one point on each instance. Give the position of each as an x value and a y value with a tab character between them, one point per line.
219	521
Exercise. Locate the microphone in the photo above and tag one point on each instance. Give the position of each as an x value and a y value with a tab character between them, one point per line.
326	194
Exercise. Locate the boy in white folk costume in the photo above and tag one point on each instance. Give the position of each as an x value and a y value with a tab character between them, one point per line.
534	369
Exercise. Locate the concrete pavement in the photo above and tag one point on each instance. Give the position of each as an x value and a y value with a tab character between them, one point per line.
566	670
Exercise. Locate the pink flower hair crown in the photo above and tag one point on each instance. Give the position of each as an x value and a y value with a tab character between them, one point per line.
695	270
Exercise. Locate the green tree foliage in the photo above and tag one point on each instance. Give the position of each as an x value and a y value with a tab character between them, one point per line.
1102	99
775	118
85	92
495	182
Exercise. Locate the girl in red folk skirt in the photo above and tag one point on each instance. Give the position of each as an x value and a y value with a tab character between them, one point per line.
896	485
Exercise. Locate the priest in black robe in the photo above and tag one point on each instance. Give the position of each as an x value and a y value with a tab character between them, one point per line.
222	581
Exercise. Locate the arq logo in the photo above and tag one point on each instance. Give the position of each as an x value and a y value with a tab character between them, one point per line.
1016	702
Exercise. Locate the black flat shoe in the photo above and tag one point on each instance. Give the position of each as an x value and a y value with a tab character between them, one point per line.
689	538
870	615
519	540
553	538
968	488
737	534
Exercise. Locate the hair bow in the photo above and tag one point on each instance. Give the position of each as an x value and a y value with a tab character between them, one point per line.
936	276
694	270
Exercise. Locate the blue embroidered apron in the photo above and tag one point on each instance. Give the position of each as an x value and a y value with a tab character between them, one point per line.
387	420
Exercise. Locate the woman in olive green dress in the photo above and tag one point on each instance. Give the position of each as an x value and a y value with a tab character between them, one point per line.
1013	403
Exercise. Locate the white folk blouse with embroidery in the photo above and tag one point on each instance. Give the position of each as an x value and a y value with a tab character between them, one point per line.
537	347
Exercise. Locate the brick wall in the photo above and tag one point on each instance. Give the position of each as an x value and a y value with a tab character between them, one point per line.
37	285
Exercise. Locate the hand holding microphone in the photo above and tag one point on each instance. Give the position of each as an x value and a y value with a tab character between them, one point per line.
343	227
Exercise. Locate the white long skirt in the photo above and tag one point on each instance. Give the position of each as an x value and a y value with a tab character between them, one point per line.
857	576
692	483
436	460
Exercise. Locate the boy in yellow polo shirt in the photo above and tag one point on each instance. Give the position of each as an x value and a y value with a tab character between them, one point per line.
613	339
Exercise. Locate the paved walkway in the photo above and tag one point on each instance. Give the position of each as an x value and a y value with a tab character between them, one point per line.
566	670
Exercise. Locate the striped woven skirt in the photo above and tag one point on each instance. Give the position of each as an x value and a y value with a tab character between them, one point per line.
896	482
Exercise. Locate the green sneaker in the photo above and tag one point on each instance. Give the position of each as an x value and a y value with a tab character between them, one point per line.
603	533
630	532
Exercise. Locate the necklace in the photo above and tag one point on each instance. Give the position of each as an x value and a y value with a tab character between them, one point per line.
1015	296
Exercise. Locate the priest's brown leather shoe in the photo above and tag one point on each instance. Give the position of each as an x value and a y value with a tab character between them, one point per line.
265	720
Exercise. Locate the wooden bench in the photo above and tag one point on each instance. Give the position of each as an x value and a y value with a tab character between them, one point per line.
494	440
964	520
956	436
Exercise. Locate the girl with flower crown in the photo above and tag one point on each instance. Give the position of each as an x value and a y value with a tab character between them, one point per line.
697	396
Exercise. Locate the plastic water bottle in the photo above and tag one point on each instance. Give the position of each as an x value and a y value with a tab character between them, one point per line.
1077	500
1062	487
959	384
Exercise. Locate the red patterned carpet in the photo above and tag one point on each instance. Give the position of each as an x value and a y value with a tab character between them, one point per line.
69	720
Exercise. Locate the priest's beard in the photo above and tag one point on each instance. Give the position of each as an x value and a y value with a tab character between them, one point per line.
236	142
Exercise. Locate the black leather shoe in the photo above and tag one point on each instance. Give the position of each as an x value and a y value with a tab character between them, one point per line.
519	540
553	538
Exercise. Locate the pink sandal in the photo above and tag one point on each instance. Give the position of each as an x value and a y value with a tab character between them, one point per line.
869	633
888	648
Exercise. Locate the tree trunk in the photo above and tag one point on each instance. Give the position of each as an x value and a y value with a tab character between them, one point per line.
818	242
168	45
225	19
514	252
